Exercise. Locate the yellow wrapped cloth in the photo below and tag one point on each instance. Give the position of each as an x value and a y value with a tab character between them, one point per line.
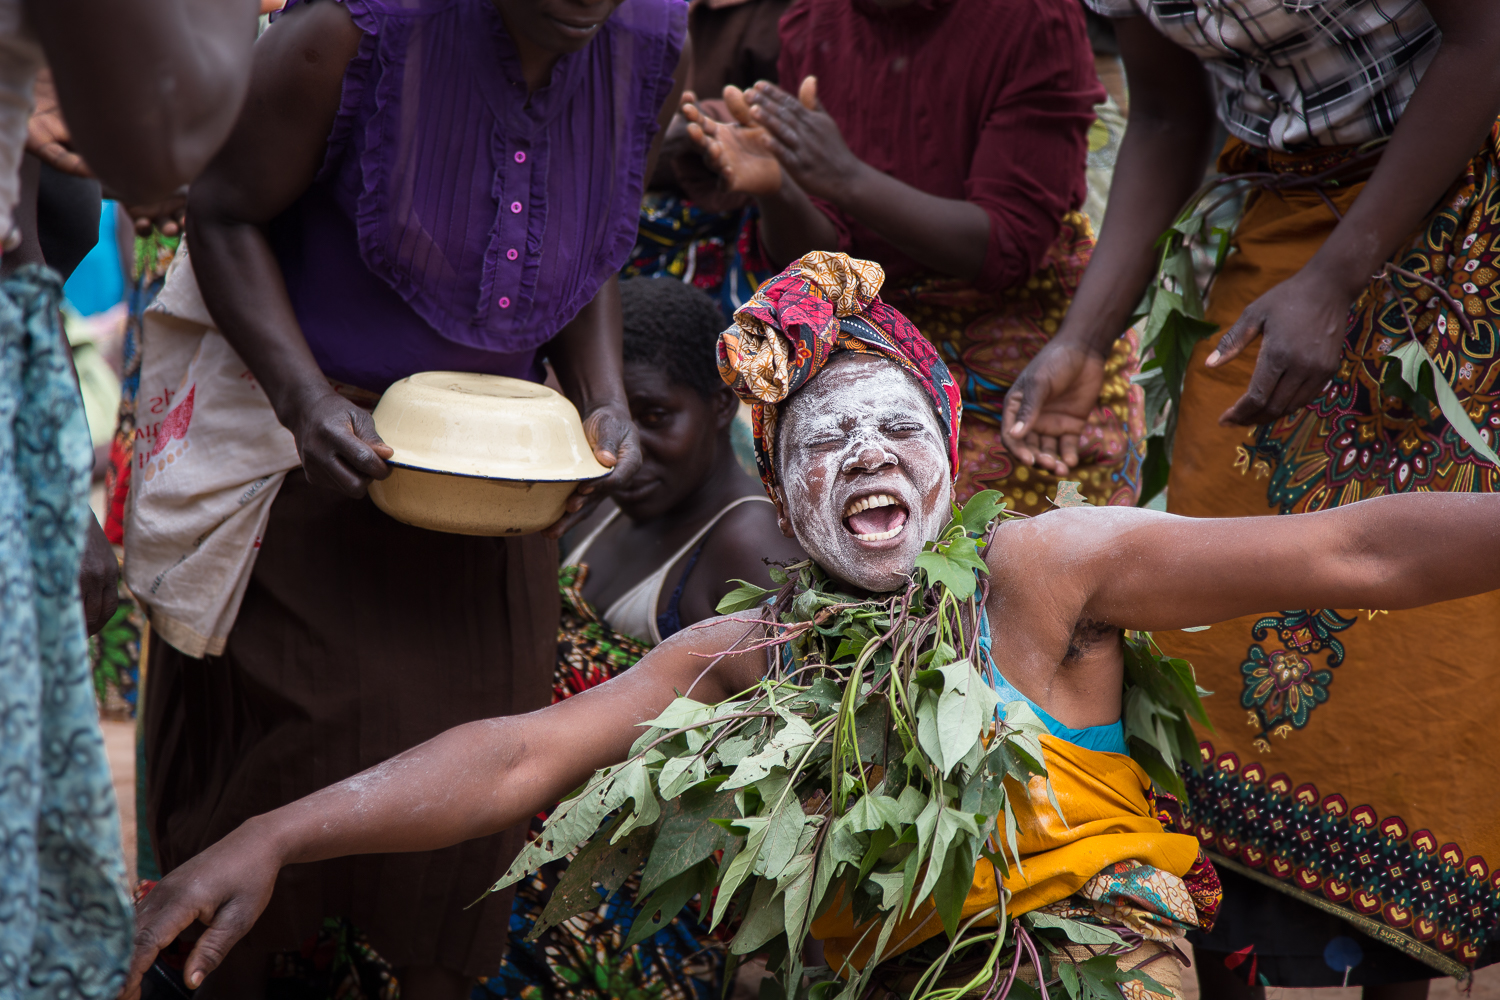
1104	798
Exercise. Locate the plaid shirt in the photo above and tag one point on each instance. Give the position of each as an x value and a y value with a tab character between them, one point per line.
1297	73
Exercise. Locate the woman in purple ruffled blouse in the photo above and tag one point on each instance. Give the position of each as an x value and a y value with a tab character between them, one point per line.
413	185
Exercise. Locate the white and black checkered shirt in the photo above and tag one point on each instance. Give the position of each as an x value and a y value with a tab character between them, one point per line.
1297	73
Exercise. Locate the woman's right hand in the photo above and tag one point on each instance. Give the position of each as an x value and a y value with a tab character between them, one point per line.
338	445
226	887
737	152
1049	404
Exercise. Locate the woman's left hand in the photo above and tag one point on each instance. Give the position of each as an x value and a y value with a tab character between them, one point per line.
802	136
613	437
1302	321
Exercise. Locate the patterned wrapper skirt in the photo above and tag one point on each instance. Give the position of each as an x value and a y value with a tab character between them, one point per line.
1352	765
986	340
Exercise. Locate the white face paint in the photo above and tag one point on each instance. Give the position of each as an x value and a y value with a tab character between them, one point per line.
864	471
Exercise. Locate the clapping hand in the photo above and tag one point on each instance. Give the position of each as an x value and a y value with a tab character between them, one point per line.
737	150
803	137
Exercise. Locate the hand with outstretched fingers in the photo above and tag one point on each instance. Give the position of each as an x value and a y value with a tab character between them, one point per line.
338	445
98	579
1049	405
226	888
803	137
735	151
616	445
1301	322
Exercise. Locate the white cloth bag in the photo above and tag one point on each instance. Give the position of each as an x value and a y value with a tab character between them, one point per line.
210	456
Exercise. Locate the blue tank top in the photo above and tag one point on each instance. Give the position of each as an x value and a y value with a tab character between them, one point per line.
1107	739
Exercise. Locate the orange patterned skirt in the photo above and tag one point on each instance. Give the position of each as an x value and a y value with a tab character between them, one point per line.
1351	764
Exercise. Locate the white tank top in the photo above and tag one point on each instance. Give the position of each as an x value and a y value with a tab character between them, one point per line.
20	58
634	613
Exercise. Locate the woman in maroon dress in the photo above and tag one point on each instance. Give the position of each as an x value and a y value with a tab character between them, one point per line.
945	139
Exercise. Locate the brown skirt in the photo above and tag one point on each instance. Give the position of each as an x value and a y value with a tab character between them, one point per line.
359	637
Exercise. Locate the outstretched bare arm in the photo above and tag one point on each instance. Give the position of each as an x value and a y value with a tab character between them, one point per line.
468	782
1145	570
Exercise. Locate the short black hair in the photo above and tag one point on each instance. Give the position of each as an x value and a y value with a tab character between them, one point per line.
673	327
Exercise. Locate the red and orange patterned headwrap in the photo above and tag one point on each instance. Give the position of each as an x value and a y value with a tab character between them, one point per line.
822	304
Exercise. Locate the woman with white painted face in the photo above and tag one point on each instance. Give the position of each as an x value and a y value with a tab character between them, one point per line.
657	558
852	405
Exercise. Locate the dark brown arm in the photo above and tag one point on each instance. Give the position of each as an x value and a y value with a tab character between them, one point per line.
270	159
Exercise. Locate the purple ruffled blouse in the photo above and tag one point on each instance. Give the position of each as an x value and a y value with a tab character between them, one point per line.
455	223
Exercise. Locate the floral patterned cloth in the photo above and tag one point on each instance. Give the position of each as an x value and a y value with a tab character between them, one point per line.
1403	848
821	304
718	252
65	919
1146	900
1358	439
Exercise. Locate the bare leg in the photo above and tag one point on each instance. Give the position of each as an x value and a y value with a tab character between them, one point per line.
1215	982
1398	991
430	982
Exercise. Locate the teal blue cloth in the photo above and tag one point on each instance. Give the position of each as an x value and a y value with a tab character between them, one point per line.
98	282
65	917
1107	739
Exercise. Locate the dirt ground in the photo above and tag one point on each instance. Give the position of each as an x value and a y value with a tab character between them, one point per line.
119	740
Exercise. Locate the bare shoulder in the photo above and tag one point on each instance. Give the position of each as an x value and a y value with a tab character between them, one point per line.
1057	562
280	138
306	49
745	539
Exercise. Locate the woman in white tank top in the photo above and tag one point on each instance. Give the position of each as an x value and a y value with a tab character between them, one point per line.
668	548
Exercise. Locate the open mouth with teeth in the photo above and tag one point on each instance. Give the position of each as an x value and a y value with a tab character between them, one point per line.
875	517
